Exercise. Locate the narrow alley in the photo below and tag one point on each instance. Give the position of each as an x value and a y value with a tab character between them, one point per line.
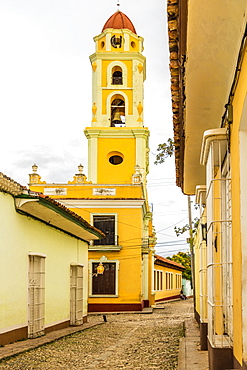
125	341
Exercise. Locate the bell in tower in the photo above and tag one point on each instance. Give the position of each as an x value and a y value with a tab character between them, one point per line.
117	113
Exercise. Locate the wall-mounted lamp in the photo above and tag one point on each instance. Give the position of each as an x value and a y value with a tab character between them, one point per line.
100	270
204	232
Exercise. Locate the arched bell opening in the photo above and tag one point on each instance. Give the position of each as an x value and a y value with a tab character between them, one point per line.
117	75
118	111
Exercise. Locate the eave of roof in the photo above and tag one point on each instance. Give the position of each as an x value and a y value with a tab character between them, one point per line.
177	30
167	263
203	61
48	210
55	214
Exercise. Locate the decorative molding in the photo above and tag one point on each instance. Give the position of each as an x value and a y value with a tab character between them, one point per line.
102	203
55	191
104	191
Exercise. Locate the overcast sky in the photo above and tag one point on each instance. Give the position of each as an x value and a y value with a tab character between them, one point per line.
45	95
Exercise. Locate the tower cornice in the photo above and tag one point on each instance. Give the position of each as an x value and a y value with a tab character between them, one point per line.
123	132
120	56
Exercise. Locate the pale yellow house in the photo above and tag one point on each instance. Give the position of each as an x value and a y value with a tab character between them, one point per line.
43	264
208	62
167	279
114	198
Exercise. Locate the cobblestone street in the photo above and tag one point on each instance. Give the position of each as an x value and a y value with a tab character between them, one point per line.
125	341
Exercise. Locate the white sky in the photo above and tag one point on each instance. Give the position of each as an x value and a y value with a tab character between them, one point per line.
45	95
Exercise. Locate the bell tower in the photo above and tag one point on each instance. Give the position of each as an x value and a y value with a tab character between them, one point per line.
117	138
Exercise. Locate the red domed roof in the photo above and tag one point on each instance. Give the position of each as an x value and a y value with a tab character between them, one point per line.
118	21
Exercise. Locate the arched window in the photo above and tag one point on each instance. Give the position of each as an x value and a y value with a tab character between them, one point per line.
117	111
117	75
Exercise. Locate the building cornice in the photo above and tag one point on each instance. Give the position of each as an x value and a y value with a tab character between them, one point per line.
177	33
102	203
218	134
123	132
109	55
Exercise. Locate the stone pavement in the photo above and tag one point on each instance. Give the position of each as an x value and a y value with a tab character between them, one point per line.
25	345
125	341
190	356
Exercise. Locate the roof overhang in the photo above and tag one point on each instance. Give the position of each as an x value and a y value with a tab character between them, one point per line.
45	211
213	39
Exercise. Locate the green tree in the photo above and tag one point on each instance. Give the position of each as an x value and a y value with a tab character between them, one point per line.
185	260
181	230
164	150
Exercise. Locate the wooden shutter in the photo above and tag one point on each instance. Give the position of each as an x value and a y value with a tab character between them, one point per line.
107	225
106	283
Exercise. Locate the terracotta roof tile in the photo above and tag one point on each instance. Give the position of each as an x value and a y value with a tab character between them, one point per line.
10	186
119	21
167	261
14	188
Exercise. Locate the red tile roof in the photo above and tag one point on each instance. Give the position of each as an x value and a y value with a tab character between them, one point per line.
14	188
169	262
119	21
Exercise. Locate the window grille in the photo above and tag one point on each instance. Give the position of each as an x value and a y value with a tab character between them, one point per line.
169	280
106	223
76	294
158	280
36	296
104	284
203	276
219	266
178	281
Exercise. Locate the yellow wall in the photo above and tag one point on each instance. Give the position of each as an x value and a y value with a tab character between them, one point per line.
21	235
86	190
116	174
238	101
130	229
128	63
128	93
166	293
130	239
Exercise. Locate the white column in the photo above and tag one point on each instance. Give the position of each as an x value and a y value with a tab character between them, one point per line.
145	276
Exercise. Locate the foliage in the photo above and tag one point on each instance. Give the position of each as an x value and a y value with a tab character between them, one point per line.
185	260
183	229
164	150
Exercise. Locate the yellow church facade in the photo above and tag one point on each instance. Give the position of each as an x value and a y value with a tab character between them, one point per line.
209	87
114	197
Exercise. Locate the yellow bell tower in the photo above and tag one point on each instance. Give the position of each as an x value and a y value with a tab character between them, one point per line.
117	139
114	198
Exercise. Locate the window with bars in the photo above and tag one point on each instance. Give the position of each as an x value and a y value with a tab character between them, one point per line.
178	281
169	280
36	296
104	284
219	240
76	294
105	223
158	280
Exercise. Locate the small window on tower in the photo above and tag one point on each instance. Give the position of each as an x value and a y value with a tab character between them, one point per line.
117	76
102	44
115	159
133	45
